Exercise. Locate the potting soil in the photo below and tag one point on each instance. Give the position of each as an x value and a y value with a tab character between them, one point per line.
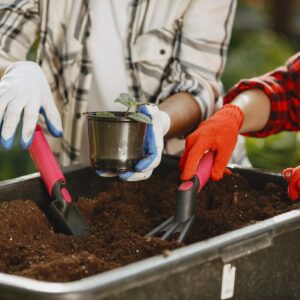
120	217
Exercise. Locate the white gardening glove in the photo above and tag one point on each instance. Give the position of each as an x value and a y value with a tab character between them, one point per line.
153	144
24	88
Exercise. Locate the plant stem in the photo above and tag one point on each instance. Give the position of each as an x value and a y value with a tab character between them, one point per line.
127	112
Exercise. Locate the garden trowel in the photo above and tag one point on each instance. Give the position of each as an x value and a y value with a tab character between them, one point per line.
65	214
186	200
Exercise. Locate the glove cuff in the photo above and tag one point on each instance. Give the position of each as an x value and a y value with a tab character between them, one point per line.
165	121
231	113
23	63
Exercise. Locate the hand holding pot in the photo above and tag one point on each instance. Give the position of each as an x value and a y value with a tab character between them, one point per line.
24	87
292	175
219	134
153	145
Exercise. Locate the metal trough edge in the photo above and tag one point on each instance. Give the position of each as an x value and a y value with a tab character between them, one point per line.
147	270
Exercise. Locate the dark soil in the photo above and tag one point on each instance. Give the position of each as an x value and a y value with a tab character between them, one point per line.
120	218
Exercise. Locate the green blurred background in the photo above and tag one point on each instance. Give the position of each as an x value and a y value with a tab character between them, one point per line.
266	33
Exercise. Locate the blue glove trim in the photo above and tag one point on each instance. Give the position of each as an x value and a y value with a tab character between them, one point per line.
126	175
143	109
26	145
7	144
145	162
149	144
51	128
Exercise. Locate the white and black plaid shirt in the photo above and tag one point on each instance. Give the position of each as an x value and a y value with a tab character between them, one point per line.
172	46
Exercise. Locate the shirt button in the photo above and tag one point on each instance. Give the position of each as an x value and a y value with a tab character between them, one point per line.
162	51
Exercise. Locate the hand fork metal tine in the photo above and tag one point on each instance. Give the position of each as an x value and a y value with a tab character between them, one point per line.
160	227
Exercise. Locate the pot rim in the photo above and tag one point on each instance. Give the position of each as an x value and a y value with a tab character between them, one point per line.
119	117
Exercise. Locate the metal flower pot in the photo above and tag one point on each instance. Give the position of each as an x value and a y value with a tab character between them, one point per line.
116	143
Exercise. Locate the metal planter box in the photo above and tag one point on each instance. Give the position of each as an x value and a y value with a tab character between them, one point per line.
260	261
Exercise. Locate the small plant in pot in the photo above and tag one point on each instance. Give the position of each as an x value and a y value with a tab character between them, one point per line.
116	138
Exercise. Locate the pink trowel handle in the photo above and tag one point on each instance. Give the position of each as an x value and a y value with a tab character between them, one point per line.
203	172
46	164
186	197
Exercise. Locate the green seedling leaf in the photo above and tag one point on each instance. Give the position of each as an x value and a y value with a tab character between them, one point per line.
105	114
140	118
127	100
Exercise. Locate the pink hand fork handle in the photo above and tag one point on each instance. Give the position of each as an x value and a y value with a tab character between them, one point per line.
63	211
186	200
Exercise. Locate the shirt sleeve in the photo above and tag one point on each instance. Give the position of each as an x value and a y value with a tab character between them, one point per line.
282	86
200	53
19	22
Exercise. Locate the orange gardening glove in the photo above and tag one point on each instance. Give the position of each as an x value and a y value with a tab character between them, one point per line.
292	175
218	133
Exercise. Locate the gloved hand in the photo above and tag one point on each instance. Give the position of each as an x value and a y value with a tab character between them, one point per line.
218	133
24	87
292	175
153	145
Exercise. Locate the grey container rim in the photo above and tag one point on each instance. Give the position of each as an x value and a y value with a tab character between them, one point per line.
91	116
111	281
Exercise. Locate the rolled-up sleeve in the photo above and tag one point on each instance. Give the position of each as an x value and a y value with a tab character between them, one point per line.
282	86
200	53
19	21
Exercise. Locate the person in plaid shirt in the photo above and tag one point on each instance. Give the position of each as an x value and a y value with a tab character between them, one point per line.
257	107
170	52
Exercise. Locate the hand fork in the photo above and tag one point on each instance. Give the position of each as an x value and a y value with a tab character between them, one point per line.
186	201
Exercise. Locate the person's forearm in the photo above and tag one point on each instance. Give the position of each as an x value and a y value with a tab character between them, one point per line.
184	112
256	107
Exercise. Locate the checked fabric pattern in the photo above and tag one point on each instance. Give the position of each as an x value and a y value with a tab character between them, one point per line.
282	86
171	46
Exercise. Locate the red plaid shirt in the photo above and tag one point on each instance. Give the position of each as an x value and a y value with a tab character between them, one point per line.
282	86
